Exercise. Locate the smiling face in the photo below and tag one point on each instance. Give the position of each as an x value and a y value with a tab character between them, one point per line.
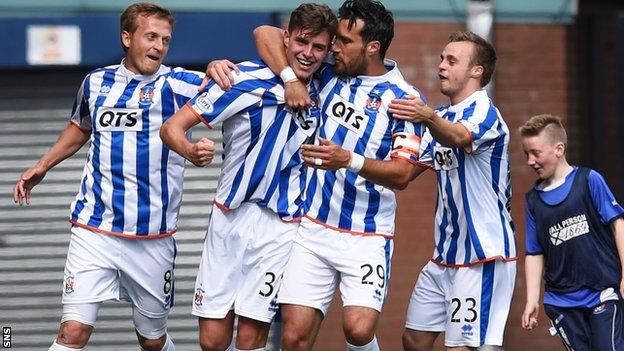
148	45
305	52
459	78
349	49
543	154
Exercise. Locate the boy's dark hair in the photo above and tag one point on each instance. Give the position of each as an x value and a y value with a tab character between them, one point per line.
552	125
378	22
313	17
484	53
128	19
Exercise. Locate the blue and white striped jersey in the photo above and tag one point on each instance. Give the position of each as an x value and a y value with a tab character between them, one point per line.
472	220
261	138
131	183
354	116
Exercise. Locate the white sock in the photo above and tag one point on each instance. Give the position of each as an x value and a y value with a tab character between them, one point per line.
57	347
371	346
169	346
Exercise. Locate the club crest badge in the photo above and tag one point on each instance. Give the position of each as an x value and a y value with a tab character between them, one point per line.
69	283
199	296
374	101
146	95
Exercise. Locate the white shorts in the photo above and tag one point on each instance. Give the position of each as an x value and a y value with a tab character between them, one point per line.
243	260
322	257
102	267
469	304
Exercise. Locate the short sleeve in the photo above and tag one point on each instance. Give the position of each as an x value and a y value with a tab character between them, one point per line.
184	84
484	125
215	105
81	114
603	199
425	155
531	243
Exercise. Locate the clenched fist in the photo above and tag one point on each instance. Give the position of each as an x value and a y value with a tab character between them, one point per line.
201	153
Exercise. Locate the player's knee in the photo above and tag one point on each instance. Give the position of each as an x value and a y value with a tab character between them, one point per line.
293	340
247	339
359	333
211	344
74	334
153	344
412	343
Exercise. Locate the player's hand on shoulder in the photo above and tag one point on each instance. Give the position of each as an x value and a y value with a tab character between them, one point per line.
328	155
296	95
202	152
411	108
221	72
27	181
529	316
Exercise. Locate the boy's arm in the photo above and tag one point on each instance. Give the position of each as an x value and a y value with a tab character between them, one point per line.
533	268
270	44
617	226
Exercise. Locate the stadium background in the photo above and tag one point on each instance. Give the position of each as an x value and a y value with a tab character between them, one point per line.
555	56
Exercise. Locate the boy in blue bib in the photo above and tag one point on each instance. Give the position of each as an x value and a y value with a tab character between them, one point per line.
574	238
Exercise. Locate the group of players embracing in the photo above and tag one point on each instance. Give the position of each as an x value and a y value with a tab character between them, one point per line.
317	136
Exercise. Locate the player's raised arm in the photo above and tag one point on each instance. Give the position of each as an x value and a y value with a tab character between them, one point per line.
221	72
69	142
270	44
173	134
446	133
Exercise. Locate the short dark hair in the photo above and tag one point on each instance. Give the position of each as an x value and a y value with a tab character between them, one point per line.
128	19
314	17
484	53
378	22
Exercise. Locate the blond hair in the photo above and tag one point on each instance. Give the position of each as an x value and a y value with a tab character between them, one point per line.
545	122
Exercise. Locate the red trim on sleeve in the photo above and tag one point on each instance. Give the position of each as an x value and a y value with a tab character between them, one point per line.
199	117
86	131
468	149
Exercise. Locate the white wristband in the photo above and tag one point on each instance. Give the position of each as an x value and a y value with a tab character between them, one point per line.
288	75
356	162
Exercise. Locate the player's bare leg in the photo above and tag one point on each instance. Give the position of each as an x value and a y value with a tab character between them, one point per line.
359	325
151	344
414	340
216	334
251	334
74	334
300	326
